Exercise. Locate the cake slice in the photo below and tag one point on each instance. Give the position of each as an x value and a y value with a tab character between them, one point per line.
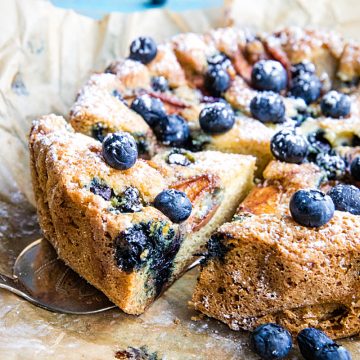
102	222
264	267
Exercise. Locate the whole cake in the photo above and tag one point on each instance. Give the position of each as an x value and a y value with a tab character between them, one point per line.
177	129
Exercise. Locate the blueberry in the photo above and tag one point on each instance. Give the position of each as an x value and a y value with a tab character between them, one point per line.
346	198
216	248
271	341
268	107
335	105
311	208
310	341
332	352
119	150
302	68
99	187
217	80
129	245
151	109
286	145
355	168
216	118
129	201
333	165
174	204
219	59
143	49
172	130
99	131
159	83
180	157
307	87
269	75
318	144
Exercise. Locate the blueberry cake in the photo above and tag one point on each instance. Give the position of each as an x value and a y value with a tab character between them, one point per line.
127	225
177	129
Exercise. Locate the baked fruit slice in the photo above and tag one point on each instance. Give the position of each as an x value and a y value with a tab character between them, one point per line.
103	222
265	267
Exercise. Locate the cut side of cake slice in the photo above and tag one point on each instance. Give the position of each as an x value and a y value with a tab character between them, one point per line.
264	267
102	222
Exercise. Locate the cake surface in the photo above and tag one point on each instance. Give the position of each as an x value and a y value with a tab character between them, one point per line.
102	223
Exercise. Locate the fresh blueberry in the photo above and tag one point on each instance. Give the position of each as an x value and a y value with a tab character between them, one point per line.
332	352
216	118
315	345
219	59
143	49
172	130
301	68
268	107
159	83
346	198
335	105
307	87
119	150
355	168
217	80
318	144
129	246
151	109
269	75
271	341
333	165
311	208
128	201
286	145
311	340
174	204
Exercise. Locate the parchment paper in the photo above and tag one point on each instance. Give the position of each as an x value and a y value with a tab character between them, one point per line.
45	55
342	16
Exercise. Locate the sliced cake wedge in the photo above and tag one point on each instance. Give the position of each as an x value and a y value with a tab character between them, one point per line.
102	222
264	267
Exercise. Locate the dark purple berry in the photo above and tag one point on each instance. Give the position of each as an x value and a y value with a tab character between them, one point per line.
269	75
143	49
311	208
120	150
